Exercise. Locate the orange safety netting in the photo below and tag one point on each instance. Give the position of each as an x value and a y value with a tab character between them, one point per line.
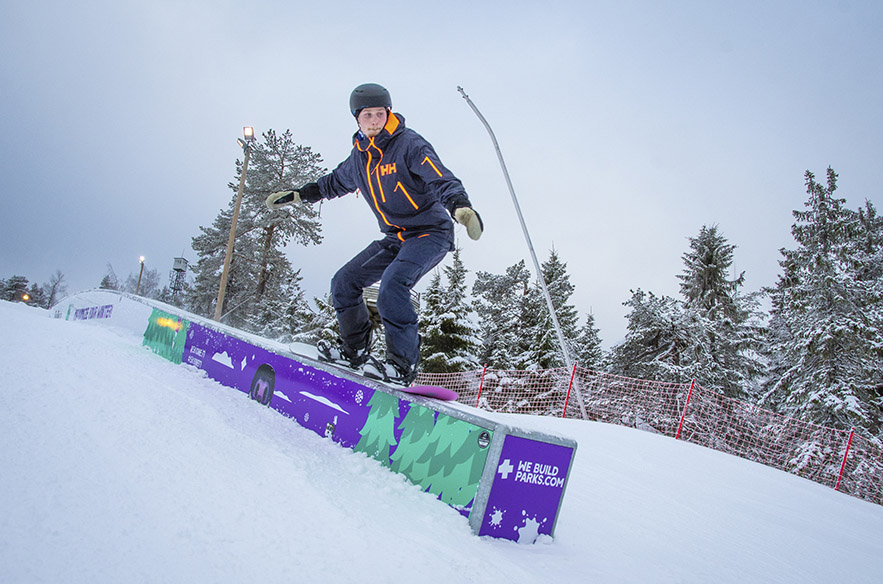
841	459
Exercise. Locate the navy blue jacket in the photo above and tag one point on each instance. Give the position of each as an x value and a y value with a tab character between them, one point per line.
402	179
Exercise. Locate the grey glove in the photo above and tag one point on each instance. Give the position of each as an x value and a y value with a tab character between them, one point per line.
281	199
469	217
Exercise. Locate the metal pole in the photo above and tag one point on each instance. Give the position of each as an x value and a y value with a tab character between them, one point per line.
138	286
564	353
222	290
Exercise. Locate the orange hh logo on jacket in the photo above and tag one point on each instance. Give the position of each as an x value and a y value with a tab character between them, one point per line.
387	169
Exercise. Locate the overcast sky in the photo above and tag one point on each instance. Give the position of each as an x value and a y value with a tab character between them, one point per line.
626	125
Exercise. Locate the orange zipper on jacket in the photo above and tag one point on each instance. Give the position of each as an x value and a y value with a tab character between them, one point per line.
391	124
376	172
399	185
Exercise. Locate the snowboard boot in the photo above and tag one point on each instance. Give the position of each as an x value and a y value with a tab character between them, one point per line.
394	370
342	354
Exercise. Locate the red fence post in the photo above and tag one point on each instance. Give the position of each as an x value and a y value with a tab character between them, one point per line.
845	454
569	387
481	384
684	414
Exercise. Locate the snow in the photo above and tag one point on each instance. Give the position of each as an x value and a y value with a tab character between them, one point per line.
118	466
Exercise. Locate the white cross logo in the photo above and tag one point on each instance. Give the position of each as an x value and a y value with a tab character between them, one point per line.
505	468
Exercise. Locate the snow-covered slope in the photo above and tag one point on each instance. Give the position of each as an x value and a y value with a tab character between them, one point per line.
118	466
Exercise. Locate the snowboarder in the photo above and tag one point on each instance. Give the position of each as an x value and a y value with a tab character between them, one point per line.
414	198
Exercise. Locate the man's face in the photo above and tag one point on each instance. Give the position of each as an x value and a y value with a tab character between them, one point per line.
371	120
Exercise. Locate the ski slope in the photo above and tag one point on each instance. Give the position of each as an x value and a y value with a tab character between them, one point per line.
118	466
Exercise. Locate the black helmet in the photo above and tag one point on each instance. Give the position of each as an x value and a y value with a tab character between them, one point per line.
369	95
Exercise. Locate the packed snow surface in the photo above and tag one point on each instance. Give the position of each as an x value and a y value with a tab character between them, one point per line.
118	466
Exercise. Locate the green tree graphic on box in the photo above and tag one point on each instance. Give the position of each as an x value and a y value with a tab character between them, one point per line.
378	432
410	457
166	335
443	456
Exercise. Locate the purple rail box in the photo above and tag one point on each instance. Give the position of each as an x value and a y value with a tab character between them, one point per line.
508	482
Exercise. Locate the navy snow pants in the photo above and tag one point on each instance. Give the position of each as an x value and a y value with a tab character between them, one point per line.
398	266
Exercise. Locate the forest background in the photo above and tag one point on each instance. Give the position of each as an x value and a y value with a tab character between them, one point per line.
808	347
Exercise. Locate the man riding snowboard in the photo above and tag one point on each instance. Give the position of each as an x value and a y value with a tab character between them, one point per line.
414	197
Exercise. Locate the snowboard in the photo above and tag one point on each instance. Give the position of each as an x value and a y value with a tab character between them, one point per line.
432	391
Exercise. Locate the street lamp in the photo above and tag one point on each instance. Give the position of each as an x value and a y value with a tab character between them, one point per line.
138	286
248	133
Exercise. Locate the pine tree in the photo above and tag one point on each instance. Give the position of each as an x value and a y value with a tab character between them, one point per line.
540	347
282	311
431	314
658	335
828	313
261	280
36	297
587	351
499	305
110	280
279	164
320	323
449	341
729	332
712	335
704	282
15	288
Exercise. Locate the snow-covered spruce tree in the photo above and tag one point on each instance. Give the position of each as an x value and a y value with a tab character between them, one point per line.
658	334
14	288
712	335
587	351
529	342
431	314
498	302
730	332
449	339
36	296
560	290
541	349
261	278
704	282
110	280
867	247
321	323
210	248
517	331
281	315
828	314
